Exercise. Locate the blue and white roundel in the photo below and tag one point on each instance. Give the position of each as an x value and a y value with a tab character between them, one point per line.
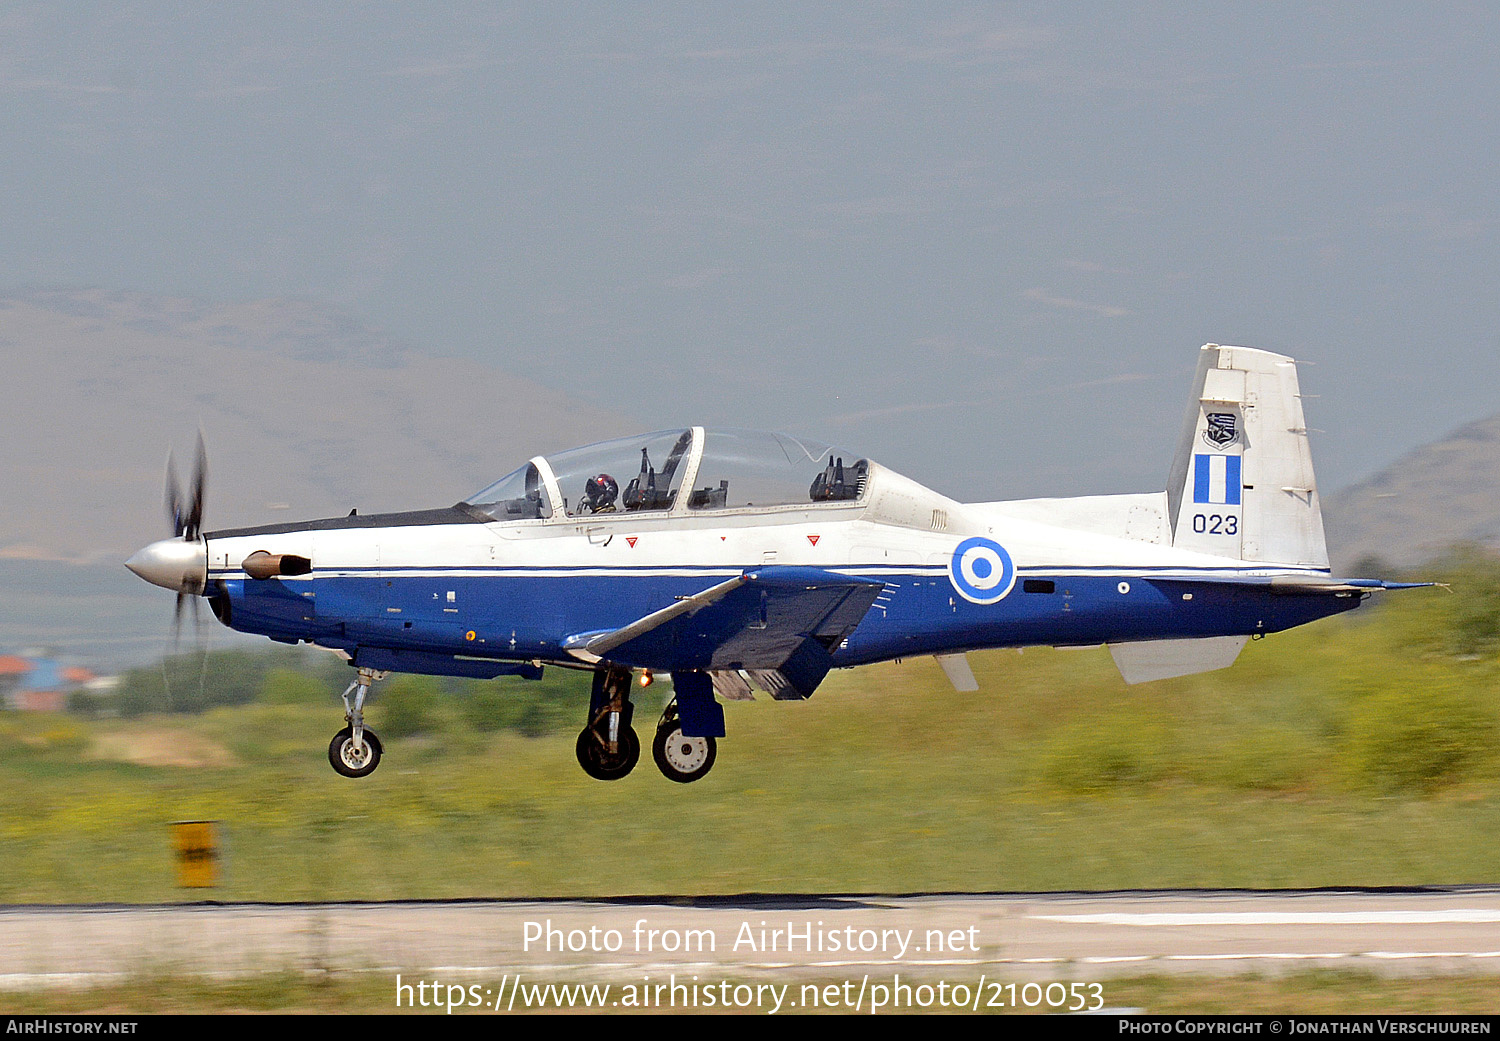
981	570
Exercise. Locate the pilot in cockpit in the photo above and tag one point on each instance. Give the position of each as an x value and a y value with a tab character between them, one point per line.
600	493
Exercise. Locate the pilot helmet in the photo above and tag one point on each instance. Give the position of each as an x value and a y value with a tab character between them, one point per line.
601	491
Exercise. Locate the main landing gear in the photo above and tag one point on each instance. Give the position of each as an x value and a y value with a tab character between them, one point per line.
608	748
680	758
355	751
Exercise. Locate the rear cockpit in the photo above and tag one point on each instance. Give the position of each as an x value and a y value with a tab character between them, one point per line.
722	470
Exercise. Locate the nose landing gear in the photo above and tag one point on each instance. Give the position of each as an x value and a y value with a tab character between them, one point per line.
355	751
351	759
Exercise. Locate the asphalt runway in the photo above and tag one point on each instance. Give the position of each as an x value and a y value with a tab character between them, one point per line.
1070	936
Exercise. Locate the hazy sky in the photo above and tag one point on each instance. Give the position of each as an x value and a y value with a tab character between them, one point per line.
979	242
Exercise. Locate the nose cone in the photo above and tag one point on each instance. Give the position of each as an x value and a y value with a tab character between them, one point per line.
174	564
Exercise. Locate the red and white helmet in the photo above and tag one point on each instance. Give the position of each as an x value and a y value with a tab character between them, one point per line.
601	491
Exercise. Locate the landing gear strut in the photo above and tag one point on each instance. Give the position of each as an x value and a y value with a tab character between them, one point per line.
680	758
355	751
608	748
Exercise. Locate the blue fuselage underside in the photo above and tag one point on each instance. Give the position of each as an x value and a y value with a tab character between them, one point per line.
521	617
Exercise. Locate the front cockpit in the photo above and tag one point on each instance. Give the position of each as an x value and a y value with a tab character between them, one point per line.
721	470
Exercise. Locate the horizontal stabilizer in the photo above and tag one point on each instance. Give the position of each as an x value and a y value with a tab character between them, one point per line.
1312	584
1320	585
1164	659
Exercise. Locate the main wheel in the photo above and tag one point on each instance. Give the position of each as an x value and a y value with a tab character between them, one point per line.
351	761
595	758
682	759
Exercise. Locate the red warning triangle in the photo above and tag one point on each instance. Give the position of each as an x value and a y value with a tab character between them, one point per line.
814	539
631	540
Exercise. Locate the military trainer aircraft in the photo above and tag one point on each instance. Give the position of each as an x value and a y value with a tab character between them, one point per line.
735	560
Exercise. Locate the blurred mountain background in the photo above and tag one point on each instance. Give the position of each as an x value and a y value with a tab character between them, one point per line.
306	413
1437	496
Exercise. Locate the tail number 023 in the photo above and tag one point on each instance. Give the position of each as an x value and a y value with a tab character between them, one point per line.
1216	524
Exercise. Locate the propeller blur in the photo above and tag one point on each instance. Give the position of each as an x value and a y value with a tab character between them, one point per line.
179	563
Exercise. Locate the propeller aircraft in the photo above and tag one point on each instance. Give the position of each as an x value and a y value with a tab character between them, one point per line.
735	560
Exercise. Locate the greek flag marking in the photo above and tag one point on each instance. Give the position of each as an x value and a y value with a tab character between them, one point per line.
1216	479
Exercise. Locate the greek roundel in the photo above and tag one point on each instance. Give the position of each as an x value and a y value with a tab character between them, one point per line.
981	570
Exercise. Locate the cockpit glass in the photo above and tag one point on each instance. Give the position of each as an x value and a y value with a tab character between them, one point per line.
739	469
743	468
627	475
520	495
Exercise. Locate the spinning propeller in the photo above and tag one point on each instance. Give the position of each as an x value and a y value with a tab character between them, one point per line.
181	562
187	514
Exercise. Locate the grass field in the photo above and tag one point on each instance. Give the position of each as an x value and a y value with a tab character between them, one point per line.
1356	751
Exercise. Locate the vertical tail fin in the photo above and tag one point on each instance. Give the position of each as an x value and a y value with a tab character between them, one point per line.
1242	479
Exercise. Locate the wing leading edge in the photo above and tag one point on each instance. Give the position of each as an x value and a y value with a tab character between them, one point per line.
779	624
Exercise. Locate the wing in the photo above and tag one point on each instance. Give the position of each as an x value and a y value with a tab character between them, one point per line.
780	624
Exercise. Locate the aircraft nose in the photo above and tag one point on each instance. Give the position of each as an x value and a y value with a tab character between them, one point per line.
174	564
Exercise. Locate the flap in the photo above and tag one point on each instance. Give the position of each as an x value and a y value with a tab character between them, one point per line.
760	620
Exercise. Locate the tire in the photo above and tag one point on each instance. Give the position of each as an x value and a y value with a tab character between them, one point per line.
683	759
599	764
346	762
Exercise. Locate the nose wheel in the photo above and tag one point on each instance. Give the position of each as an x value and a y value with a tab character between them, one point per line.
680	758
355	751
354	760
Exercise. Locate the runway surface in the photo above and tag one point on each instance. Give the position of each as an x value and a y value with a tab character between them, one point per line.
1073	936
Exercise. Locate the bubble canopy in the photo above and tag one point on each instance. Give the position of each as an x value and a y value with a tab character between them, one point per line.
722	470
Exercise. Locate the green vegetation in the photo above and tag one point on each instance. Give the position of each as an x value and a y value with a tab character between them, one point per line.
193	684
196	683
1356	751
